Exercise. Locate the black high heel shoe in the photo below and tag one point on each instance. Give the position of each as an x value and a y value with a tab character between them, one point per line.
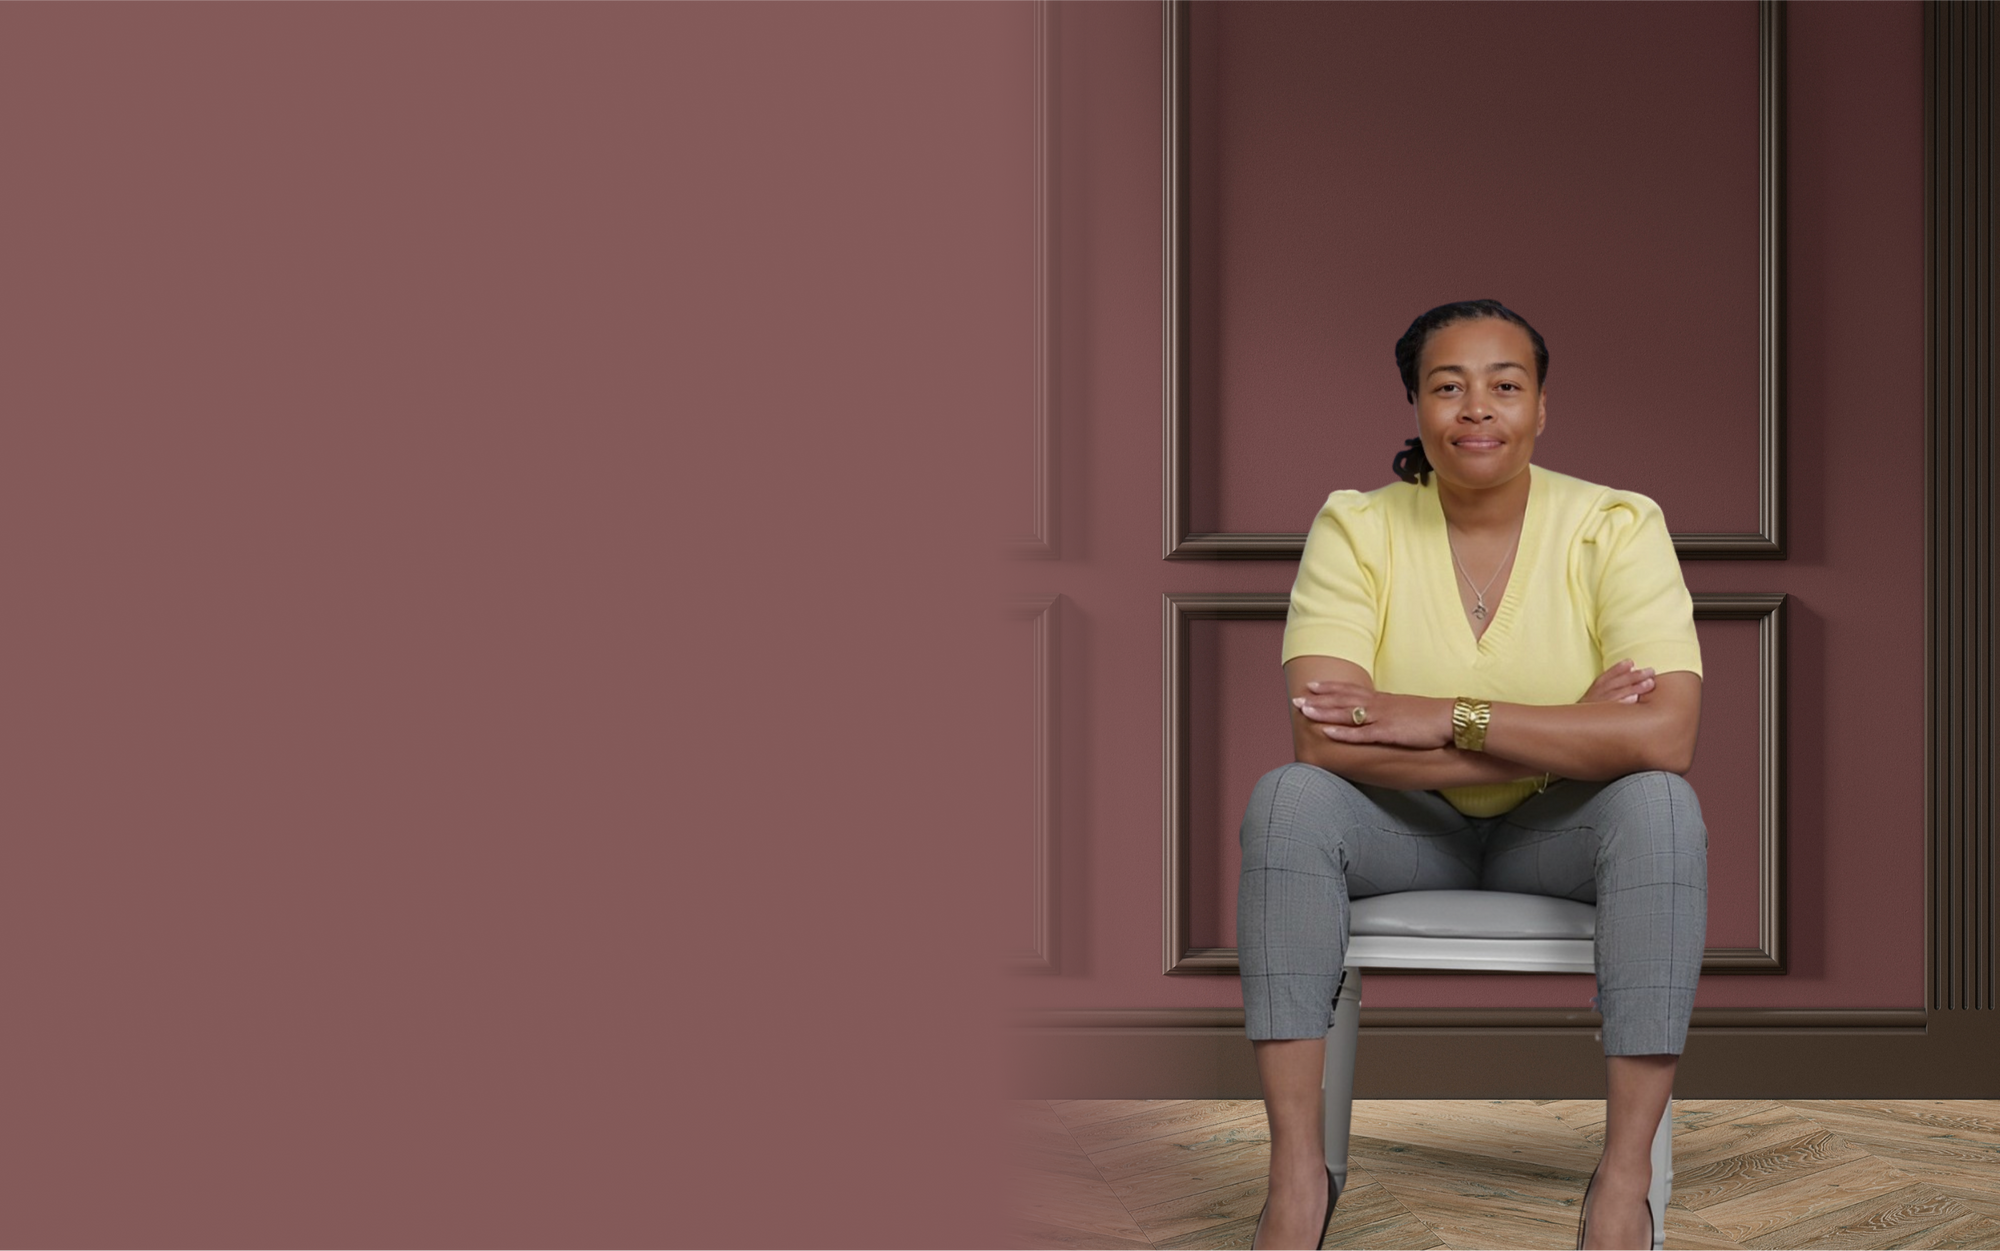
1583	1213
1332	1198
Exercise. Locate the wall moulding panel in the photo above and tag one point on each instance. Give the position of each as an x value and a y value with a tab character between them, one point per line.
1041	613
1181	955
1040	540
1192	307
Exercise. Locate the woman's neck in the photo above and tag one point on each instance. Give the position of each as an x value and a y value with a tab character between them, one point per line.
1495	510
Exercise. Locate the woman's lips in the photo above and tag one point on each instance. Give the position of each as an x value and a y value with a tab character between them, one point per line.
1480	444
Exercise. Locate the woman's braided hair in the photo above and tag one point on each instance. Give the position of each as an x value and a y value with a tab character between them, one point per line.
1411	464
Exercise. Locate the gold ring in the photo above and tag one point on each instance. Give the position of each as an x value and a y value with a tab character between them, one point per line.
1360	715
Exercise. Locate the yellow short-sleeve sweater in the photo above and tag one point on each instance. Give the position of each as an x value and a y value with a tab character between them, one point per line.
1595	582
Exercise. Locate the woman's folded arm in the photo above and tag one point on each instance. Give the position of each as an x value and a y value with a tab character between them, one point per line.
1406	740
1379	764
1412	768
1597	742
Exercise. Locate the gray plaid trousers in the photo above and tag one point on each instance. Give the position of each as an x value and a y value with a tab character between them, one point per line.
1634	846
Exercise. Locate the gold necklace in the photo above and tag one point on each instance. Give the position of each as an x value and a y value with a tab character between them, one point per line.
1479	592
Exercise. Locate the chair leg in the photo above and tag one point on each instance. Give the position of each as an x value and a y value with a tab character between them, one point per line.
1337	1086
1663	1175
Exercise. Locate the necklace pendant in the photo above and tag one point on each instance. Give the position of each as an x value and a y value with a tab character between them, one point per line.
1479	611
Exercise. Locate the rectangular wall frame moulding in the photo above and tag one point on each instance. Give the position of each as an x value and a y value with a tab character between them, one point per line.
1039	953
1039	541
1768	610
1767	542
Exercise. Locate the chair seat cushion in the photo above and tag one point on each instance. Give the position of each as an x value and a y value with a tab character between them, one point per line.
1471	914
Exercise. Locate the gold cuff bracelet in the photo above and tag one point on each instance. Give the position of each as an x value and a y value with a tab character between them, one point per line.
1469	719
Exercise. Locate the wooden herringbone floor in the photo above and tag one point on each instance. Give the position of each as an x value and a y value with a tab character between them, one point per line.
1466	1174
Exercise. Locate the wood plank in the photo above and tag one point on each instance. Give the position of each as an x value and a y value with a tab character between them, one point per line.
1980	1196
1158	1119
1191	1214
1367	1216
1369	1207
1581	1117
1074	1112
1914	1118
1515	1129
1040	1145
1722	1162
1974	1230
1685	1229
1034	1117
1374	1221
1496	1229
1895	1219
1759	1130
1472	1199
1420	1167
1083	1207
1917	1135
1034	1160
1770	1209
1237	1236
1370	1215
1357	1176
1585	1117
1241	1143
1234	1236
1942	1142
1692	1114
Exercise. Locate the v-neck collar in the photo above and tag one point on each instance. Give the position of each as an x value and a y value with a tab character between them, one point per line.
1445	568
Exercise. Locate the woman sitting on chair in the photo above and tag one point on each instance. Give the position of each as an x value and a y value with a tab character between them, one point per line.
1495	684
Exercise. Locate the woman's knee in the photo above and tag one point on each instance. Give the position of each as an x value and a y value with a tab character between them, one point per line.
1659	807
1291	795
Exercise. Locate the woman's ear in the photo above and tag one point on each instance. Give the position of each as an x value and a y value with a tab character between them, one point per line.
1541	411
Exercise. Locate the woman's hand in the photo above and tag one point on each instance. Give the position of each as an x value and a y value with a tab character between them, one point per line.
1620	684
1391	720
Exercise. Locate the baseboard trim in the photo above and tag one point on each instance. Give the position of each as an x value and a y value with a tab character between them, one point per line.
1520	1054
1484	1018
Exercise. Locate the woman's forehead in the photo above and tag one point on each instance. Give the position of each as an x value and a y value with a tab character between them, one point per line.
1485	344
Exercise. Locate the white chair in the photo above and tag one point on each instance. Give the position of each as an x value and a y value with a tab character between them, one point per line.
1462	929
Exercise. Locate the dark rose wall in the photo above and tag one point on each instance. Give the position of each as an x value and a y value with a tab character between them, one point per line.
1854	570
492	508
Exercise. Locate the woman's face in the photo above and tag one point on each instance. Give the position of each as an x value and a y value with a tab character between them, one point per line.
1479	407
